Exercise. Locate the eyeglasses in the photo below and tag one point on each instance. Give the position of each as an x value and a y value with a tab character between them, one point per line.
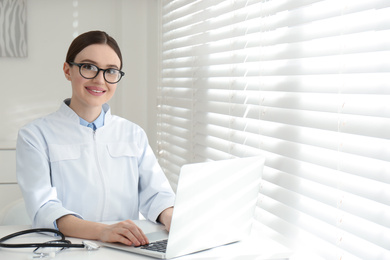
90	71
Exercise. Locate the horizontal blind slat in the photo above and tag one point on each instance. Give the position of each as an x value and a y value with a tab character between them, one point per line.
303	83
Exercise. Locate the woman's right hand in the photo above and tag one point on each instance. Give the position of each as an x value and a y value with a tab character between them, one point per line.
125	232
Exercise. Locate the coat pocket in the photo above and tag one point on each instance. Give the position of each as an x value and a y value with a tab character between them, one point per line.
63	152
123	149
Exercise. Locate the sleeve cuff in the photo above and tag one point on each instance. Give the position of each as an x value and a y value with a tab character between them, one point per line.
152	216
49	213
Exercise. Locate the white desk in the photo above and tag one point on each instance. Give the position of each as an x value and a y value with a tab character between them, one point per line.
252	248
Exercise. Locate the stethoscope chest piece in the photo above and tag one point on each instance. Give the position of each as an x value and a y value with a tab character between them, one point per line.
89	245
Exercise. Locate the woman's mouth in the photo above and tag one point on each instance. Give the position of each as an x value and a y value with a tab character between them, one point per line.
96	91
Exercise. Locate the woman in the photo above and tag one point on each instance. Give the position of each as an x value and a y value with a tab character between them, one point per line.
81	166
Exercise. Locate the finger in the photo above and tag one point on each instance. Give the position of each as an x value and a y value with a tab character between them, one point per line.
131	236
143	236
121	239
137	232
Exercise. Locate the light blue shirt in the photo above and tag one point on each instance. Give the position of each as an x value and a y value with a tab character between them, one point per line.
99	122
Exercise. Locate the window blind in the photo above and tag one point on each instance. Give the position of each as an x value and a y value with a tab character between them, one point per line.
305	83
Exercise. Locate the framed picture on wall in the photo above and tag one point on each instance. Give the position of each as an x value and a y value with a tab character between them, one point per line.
13	28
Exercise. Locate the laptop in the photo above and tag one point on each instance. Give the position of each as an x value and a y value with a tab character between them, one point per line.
214	206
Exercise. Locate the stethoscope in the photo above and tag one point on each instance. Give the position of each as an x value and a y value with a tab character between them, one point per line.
61	243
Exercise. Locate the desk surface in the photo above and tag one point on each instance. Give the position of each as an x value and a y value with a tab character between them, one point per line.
254	247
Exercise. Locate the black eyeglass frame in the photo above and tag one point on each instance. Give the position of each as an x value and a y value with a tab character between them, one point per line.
121	73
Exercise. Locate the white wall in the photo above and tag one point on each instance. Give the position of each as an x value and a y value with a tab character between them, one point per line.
136	98
35	86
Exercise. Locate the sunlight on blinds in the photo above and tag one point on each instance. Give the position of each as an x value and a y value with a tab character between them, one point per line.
303	83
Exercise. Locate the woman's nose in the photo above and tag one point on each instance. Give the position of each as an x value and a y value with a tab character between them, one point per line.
100	77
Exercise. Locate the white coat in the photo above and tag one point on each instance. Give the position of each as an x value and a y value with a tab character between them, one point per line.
110	174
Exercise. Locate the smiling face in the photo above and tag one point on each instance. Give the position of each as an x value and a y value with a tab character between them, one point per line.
88	95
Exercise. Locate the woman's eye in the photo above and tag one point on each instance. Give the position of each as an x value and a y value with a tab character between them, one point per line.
112	71
89	67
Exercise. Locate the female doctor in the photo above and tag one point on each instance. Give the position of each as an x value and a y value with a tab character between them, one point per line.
81	165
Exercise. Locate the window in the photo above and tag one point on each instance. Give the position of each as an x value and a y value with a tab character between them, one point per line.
306	83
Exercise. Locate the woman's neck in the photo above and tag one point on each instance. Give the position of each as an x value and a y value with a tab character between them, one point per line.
88	113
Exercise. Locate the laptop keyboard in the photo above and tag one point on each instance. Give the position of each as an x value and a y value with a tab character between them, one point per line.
158	246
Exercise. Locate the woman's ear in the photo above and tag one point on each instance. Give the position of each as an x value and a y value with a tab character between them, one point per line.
66	70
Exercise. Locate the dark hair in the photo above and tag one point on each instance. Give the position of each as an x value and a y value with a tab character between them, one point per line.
89	38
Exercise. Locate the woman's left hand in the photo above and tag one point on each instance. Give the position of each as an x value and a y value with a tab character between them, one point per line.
165	218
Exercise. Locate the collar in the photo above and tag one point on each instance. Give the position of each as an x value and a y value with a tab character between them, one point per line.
99	122
66	111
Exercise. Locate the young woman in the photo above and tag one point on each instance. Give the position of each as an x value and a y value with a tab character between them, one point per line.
81	166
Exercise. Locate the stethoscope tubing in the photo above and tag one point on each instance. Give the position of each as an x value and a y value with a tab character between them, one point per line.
53	243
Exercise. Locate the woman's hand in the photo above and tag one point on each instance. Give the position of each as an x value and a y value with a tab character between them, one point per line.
125	232
165	218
